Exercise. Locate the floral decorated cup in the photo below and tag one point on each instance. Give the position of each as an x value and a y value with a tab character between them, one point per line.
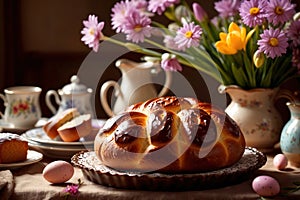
22	108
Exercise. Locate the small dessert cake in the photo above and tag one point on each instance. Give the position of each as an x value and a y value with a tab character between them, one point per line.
69	125
170	135
12	148
78	127
58	120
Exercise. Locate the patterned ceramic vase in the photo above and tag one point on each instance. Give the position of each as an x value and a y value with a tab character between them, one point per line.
254	111
290	136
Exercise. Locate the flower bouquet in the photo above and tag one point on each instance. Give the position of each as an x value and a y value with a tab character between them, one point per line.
251	43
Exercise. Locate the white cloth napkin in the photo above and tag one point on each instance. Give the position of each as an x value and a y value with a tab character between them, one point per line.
6	184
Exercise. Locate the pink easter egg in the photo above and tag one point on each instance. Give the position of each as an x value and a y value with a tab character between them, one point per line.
58	171
266	186
280	161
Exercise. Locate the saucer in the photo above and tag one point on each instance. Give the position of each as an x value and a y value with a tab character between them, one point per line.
9	127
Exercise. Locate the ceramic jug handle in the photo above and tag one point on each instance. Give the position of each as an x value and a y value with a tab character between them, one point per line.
103	95
5	104
48	100
167	84
287	94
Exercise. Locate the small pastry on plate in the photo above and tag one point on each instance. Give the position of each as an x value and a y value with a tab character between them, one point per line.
69	125
12	148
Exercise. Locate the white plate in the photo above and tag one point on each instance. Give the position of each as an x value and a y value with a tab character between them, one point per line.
39	135
58	152
32	157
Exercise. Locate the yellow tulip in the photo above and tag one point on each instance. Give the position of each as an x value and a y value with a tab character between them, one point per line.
234	41
258	59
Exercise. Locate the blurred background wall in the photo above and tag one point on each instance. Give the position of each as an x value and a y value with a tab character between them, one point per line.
40	40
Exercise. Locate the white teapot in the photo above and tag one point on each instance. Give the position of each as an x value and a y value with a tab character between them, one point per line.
73	95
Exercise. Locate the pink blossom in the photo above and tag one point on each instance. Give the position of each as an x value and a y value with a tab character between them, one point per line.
119	13
280	11
188	36
199	12
92	32
72	190
273	43
137	26
296	58
169	62
170	42
227	8
294	33
159	6
140	4
252	12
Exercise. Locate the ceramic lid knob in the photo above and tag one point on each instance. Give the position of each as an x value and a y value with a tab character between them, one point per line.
75	87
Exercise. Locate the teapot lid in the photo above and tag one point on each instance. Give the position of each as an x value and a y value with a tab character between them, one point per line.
75	87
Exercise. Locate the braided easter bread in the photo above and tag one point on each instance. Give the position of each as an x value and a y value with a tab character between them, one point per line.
170	135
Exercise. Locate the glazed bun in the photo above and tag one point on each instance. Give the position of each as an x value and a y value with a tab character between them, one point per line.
170	135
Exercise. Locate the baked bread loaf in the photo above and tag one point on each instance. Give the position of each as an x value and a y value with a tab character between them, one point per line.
12	148
170	135
69	125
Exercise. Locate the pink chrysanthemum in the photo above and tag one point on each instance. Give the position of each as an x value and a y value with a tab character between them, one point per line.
140	4
119	12
273	43
294	33
92	32
296	58
137	26
188	36
170	42
280	11
227	8
252	12
170	63
159	6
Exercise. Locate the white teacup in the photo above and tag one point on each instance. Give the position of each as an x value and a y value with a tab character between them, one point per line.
22	107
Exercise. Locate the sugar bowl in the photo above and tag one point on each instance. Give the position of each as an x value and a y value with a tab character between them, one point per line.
73	95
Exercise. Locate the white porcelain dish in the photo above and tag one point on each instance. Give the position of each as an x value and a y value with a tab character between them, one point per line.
58	152
39	135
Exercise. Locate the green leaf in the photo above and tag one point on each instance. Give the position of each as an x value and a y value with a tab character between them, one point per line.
239	76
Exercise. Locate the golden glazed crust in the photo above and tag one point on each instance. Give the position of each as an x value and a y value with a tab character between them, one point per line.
170	135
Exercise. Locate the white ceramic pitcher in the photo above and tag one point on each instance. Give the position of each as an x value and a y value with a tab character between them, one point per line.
136	85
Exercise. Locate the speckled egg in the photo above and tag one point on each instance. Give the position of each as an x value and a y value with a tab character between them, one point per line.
58	171
266	186
280	161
